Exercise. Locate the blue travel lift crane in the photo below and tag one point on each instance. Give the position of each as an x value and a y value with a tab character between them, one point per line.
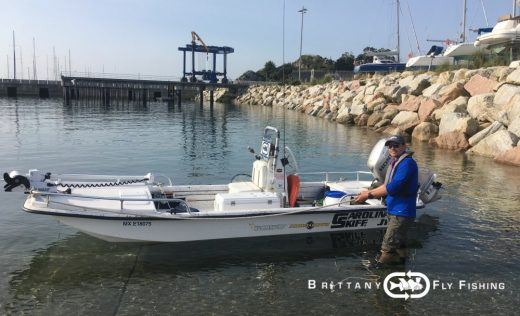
210	75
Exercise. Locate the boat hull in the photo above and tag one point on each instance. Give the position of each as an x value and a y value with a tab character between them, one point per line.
426	61
397	67
178	230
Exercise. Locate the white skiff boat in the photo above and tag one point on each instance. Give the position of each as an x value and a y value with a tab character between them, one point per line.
275	201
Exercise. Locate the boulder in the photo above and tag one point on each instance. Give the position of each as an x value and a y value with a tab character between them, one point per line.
361	120
382	123
355	85
495	144
411	104
479	85
460	75
456	106
510	157
347	96
445	78
491	129
425	131
505	93
500	73
427	107
390	112
418	84
376	104
512	108
514	77
344	115
481	107
374	119
514	126
433	90
396	96
452	140
388	91
458	122
451	92
358	109
406	120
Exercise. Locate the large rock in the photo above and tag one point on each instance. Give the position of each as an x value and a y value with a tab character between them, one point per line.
344	116
361	120
491	129
433	90
425	131
458	122
358	109
495	144
510	157
481	107
445	78
514	77
514	126
406	120
418	84
453	140
382	123
374	119
411	104
390	112
479	85
427	107
512	108
456	106
451	92
396	96
505	93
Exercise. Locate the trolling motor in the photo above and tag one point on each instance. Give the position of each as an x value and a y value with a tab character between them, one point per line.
34	179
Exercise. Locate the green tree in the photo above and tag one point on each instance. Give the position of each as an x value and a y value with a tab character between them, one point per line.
269	70
345	62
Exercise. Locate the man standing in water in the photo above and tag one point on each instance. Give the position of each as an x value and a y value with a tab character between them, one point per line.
400	189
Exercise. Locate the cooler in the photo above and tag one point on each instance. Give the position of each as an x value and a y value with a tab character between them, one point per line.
242	201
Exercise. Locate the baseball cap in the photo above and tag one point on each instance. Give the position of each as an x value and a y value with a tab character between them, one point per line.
397	139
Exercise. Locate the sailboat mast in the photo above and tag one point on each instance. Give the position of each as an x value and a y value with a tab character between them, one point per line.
463	35
14	58
398	36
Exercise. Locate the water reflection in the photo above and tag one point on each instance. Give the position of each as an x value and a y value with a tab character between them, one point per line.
81	274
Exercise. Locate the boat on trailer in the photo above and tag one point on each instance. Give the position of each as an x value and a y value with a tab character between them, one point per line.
275	200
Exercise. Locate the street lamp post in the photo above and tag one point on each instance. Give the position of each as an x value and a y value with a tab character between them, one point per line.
302	11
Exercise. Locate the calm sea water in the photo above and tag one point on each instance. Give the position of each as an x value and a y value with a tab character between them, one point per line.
50	269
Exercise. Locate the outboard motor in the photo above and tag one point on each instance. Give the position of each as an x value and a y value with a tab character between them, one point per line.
378	160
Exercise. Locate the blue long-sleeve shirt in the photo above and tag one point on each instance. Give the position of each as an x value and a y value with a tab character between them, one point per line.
402	189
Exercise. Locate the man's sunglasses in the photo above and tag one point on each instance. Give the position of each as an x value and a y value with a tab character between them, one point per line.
393	145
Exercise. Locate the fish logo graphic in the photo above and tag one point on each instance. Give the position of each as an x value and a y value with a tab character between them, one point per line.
409	285
413	284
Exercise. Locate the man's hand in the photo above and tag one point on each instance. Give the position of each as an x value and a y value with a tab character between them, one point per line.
361	197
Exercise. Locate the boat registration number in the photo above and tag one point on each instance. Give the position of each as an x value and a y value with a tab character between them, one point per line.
137	223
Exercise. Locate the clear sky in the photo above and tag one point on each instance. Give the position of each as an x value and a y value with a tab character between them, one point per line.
138	36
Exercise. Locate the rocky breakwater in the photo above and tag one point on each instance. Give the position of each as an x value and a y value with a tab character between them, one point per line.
476	111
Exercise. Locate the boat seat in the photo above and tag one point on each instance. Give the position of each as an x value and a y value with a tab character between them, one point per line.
258	183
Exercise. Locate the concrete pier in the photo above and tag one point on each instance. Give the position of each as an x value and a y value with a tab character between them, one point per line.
30	88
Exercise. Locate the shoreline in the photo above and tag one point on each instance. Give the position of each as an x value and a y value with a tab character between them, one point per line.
475	111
